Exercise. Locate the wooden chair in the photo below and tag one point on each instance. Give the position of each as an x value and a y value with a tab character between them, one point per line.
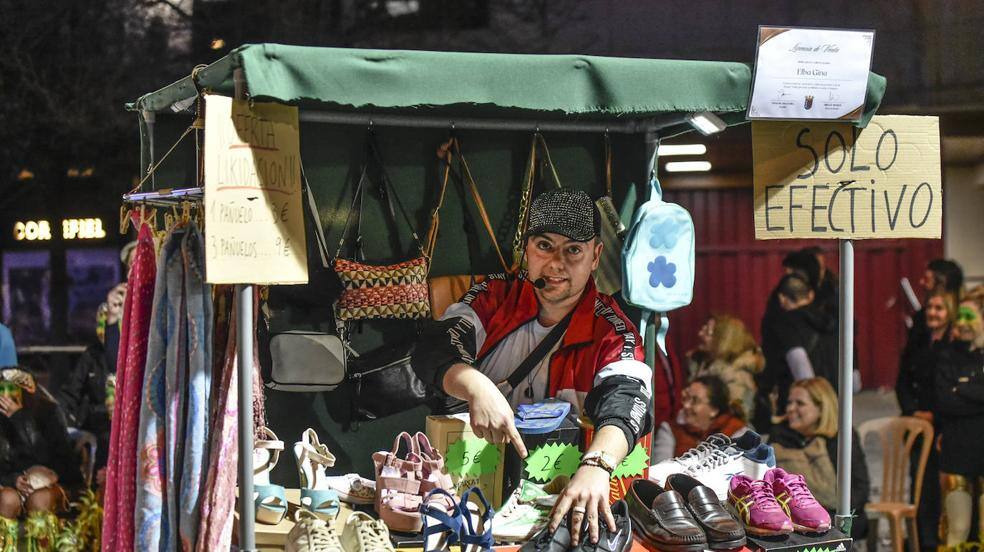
898	436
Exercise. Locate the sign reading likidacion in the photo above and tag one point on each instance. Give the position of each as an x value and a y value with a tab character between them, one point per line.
833	180
253	194
814	74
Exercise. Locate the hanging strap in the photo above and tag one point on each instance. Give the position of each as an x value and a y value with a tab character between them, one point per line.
608	166
386	190
476	196
538	353
664	328
526	193
319	232
435	224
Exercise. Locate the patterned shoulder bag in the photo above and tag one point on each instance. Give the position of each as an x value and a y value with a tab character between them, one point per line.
395	291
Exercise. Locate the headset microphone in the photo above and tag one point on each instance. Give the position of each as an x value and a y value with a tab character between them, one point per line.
539	283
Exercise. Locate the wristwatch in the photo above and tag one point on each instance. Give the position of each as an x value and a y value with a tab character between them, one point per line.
601	459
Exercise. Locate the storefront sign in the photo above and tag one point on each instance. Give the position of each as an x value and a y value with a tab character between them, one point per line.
32	230
253	194
810	73
833	180
72	229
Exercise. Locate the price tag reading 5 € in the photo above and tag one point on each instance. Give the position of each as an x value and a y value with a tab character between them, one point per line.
472	458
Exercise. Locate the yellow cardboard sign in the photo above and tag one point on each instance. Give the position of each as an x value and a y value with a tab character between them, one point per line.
253	214
835	181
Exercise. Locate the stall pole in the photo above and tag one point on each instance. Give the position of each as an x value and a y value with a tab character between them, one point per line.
244	358
649	340
846	391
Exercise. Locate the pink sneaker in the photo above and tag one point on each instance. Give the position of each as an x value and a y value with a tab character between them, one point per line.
758	507
790	489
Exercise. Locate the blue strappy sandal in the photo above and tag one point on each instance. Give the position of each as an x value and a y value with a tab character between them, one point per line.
269	501
476	532
442	522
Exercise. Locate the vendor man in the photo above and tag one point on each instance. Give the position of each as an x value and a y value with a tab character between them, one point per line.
597	365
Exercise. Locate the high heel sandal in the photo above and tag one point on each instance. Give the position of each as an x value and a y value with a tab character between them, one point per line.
476	532
269	501
398	483
313	457
442	520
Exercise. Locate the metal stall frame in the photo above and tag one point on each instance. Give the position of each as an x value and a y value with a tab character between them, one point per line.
179	96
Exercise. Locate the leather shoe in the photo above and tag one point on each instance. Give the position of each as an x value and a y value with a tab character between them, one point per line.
723	531
661	519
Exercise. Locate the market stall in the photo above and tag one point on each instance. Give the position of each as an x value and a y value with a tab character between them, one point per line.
411	101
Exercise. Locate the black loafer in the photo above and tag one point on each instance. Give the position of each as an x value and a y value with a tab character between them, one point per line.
661	519
619	541
723	531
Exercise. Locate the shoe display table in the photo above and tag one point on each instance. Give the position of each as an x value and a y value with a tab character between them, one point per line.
831	541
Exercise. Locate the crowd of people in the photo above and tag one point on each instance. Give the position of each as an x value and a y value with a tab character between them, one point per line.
787	389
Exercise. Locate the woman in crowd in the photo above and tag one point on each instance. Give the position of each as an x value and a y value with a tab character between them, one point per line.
37	461
728	350
916	392
806	443
960	405
707	409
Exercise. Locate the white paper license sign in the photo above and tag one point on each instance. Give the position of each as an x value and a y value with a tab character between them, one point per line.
254	223
810	74
836	181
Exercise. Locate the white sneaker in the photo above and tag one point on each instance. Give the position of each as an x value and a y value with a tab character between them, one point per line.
312	534
362	533
717	469
660	471
527	510
353	488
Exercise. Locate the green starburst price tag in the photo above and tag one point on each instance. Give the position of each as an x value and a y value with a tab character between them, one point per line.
633	464
472	458
549	461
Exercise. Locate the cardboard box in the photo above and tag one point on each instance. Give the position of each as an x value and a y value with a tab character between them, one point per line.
620	485
569	433
445	431
831	541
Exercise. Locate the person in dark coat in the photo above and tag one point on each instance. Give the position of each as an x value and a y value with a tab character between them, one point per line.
960	408
37	461
915	389
806	443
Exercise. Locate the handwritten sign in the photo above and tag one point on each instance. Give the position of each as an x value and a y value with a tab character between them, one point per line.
803	73
833	180
253	215
548	461
471	457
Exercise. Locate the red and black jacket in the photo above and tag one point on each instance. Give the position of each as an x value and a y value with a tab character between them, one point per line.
599	366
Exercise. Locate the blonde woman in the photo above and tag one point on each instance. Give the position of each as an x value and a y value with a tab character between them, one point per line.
806	443
960	405
728	350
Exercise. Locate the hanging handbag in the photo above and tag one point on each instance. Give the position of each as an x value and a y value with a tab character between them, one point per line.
446	290
384	383
526	193
396	291
303	359
608	275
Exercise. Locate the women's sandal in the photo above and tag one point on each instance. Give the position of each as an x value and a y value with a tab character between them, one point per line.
432	466
269	501
313	457
476	532
398	483
442	520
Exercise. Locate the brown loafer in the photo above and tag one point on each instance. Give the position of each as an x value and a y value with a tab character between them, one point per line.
723	531
661	519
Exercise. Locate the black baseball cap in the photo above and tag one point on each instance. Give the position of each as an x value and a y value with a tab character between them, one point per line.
567	212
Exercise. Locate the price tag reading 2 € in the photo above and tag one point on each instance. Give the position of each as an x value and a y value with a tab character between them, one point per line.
549	461
472	458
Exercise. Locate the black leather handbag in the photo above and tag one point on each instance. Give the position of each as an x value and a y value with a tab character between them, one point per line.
384	383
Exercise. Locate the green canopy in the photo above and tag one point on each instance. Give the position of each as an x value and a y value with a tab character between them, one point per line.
558	87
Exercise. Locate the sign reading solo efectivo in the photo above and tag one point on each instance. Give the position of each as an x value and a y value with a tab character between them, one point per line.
834	180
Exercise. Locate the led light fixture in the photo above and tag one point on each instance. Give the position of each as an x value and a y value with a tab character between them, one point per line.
706	122
688	166
682	149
